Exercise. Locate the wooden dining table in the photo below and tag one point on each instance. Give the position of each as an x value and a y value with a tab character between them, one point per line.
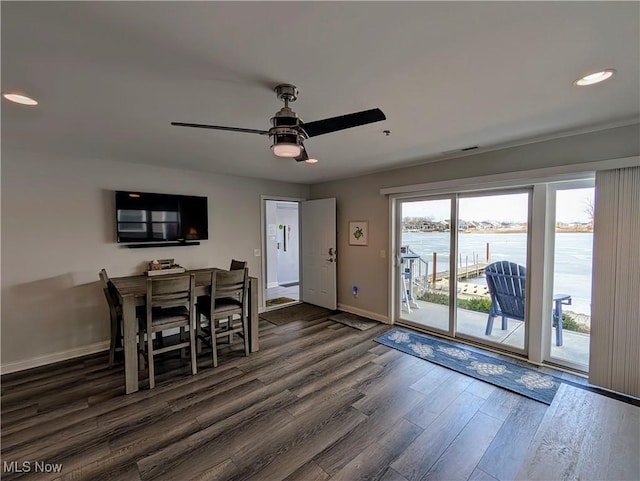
132	292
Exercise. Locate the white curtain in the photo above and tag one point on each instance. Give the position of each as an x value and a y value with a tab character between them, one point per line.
615	312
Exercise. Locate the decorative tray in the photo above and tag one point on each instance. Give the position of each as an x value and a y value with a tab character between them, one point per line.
162	272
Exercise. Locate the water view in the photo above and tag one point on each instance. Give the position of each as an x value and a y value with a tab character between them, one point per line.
572	260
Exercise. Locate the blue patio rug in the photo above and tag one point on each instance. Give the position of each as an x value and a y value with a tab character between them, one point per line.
508	375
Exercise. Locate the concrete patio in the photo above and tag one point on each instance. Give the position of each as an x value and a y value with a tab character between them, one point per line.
575	348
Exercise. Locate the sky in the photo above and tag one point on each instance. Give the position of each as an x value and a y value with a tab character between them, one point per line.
570	207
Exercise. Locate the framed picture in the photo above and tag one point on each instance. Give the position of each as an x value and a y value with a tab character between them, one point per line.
358	233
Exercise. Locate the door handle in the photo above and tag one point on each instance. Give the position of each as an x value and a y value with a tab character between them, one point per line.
330	260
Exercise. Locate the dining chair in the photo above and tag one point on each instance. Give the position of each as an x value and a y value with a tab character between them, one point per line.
228	298
115	316
170	304
235	265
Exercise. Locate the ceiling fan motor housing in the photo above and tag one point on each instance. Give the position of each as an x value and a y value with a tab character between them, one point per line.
286	131
287	92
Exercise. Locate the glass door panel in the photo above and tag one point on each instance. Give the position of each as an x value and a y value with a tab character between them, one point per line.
491	228
572	277
425	252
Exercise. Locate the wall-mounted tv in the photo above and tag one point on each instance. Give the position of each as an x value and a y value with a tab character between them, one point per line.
150	217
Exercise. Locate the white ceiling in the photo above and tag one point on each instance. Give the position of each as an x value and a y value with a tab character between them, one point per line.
111	76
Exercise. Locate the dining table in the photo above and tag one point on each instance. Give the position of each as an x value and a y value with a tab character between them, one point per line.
132	292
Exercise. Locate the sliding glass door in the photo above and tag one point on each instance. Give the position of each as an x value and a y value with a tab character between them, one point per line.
493	228
424	262
444	245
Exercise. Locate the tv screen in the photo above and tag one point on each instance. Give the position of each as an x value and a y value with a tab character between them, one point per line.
149	217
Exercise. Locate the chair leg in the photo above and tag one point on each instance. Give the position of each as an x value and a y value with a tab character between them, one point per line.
183	351
245	334
489	328
152	381
214	344
199	332
114	337
194	362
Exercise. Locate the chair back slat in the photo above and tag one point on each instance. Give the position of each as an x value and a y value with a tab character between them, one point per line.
231	284
171	292
506	283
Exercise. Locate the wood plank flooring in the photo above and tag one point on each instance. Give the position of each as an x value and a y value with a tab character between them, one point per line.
320	401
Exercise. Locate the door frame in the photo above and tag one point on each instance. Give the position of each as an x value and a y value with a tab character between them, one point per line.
263	244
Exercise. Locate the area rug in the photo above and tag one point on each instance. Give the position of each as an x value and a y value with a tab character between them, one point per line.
508	375
279	300
353	320
299	312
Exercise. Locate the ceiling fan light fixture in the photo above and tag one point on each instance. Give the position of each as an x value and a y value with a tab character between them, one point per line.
285	149
286	145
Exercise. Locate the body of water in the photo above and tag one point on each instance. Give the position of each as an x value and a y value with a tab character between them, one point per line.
572	267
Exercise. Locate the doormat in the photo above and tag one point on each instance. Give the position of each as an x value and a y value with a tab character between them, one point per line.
353	320
298	312
278	300
522	380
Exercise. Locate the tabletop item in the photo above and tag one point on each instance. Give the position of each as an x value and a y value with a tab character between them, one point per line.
164	266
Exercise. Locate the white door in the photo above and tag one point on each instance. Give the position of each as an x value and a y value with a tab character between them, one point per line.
318	232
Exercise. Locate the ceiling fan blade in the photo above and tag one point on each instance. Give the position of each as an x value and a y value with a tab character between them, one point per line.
320	127
220	127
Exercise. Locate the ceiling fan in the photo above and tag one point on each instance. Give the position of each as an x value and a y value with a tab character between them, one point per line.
289	132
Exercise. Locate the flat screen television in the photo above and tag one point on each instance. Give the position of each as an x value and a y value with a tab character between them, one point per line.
150	217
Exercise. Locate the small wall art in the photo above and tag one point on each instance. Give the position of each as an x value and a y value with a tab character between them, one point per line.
358	233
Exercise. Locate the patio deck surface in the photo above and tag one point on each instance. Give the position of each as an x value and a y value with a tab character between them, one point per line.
575	348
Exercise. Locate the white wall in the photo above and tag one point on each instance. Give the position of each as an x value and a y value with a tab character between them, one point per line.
360	199
58	231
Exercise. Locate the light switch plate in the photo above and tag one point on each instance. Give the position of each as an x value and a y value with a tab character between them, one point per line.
256	252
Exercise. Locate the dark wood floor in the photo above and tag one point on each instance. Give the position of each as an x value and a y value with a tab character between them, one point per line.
319	401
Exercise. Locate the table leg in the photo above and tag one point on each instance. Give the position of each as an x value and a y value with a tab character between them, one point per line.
254	344
558	315
130	344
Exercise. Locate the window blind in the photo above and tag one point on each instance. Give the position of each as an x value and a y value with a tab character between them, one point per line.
615	313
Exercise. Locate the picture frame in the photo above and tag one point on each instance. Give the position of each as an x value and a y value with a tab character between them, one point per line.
358	233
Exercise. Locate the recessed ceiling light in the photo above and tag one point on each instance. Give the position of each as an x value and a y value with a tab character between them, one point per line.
311	161
595	77
19	98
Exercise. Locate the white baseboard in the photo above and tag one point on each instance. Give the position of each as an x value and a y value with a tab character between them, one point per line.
363	313
55	357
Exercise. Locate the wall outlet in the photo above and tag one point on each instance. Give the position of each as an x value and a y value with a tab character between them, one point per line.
383	254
